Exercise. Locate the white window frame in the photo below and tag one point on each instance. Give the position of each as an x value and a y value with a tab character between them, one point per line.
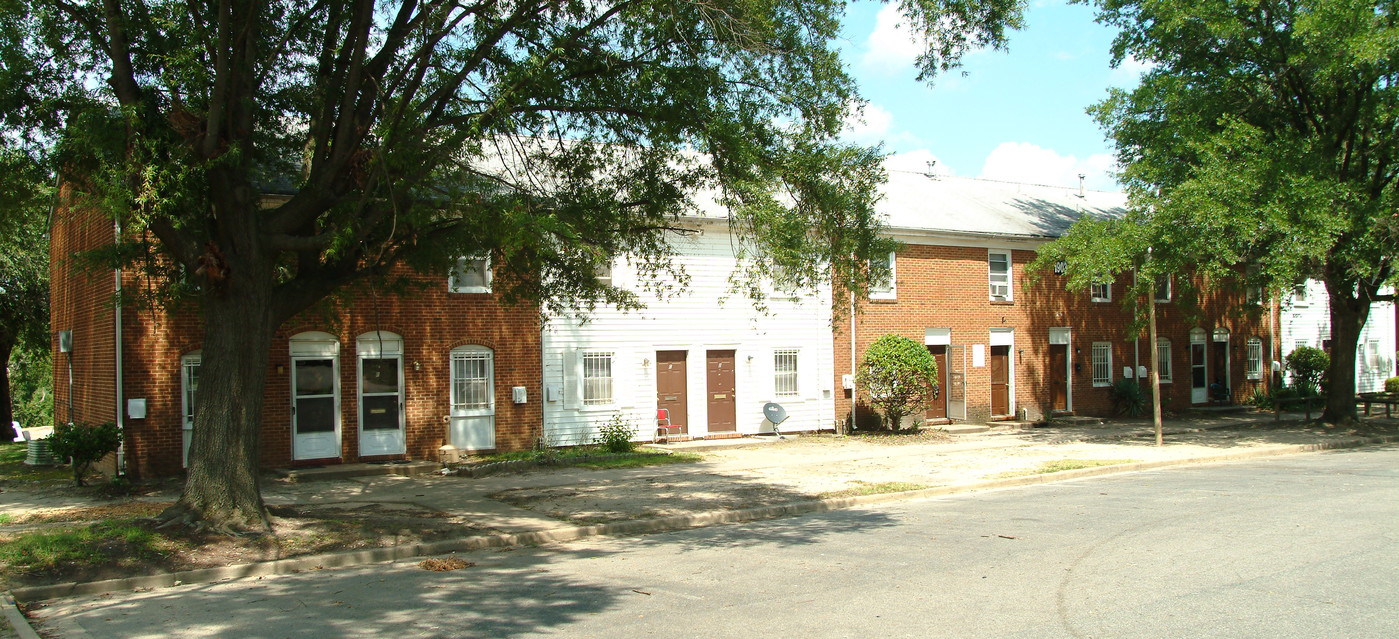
484	266
1163	360
605	272
786	383
457	394
189	399
1372	355
599	390
1170	284
1300	295
889	289
1253	359
1100	292
991	276
1102	362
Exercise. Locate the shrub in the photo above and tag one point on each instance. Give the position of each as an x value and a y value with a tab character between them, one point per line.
900	377
1260	398
1308	365
1391	385
84	445
1127	398
616	435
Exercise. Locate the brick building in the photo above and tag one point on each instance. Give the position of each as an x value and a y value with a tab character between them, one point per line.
1009	345
366	378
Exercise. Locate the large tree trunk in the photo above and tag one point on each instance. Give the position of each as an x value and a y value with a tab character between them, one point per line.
7	411
221	484
1349	311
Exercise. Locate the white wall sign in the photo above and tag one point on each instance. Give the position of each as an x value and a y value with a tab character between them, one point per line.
978	355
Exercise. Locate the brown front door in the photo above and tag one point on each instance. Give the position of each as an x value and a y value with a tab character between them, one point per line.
670	387
1000	380
719	371
1059	376
939	408
1219	366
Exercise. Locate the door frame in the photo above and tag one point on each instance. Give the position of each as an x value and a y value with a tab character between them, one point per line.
308	346
708	394
368	346
1063	335
1222	336
1005	337
685	383
489	411
1199	395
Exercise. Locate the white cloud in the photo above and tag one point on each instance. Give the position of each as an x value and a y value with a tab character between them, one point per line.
916	161
870	126
892	46
1129	72
1025	162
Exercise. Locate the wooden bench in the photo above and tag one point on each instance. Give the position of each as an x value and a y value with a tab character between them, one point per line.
1388	399
1279	404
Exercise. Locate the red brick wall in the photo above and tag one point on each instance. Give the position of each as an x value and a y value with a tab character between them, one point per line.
431	322
80	300
946	287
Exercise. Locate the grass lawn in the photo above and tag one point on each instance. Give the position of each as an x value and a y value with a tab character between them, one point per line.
12	468
1061	465
865	488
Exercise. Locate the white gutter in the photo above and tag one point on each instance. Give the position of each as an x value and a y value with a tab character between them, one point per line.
854	397
116	313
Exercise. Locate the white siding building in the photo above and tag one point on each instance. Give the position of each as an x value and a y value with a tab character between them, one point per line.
1306	321
706	355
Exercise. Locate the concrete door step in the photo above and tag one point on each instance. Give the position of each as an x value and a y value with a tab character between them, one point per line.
964	429
700	445
343	471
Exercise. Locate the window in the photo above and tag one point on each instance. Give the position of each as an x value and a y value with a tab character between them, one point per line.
1253	367
1101	292
1372	355
604	273
597	379
470	275
471	380
1163	359
1299	294
784	377
1102	364
1163	288
189	394
885	287
999	268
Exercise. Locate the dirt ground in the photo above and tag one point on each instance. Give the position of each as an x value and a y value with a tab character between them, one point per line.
333	515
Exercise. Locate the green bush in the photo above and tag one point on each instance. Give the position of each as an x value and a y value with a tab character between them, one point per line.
1260	398
616	435
1308	367
900	377
1391	385
84	445
1128	399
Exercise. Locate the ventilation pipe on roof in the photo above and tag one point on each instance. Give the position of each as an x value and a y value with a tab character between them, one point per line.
1082	192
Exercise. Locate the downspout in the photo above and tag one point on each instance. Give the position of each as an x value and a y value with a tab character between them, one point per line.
853	395
121	414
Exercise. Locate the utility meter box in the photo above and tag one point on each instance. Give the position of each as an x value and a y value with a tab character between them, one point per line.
517	394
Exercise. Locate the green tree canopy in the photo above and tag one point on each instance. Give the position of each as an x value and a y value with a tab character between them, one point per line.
24	268
1259	149
552	135
900	377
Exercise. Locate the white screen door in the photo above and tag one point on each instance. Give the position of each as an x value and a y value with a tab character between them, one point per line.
315	413
473	399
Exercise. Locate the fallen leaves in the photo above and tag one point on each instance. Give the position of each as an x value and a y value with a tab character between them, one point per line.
438	564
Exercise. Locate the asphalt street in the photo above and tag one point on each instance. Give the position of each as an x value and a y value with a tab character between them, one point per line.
1300	546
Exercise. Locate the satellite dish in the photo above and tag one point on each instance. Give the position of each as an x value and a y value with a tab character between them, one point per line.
775	413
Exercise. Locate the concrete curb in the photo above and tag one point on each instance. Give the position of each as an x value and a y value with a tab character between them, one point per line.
636	527
16	618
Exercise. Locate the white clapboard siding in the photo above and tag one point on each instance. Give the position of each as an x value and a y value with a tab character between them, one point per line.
1309	322
707	316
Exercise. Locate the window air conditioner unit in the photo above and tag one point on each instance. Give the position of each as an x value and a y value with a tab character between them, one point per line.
1000	291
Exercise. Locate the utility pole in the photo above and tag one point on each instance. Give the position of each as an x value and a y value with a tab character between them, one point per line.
1155	375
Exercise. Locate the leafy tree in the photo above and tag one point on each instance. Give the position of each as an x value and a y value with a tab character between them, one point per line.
24	278
900	376
1262	135
84	445
550	134
1308	366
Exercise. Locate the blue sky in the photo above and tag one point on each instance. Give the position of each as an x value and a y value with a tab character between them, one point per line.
1014	115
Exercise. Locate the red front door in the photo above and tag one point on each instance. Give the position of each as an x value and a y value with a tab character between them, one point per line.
719	373
1000	380
938	410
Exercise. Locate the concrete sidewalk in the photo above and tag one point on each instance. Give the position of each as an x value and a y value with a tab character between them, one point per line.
804	474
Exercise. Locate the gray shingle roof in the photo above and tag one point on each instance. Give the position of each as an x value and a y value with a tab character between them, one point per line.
958	205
